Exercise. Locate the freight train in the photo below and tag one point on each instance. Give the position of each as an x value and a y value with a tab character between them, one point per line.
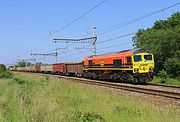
133	66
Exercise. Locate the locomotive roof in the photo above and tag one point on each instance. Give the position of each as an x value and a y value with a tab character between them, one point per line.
134	51
138	50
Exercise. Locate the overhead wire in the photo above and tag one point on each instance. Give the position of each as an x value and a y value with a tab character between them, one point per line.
114	38
80	16
83	53
117	45
110	29
129	34
69	24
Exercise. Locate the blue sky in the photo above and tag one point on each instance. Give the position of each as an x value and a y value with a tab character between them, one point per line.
25	24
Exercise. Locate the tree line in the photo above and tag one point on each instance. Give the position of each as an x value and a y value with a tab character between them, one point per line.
24	64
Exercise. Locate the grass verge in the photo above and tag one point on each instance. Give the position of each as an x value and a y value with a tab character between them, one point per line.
26	98
170	81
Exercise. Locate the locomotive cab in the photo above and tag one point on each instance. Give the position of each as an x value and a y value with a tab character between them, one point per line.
143	63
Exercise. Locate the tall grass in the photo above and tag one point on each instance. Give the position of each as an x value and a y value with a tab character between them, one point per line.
171	81
35	98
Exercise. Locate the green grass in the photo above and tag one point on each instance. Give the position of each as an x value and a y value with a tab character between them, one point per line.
32	98
170	81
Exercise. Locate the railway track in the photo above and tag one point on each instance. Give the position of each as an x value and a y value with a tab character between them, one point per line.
127	87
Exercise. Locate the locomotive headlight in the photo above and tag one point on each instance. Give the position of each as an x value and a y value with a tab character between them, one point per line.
151	68
136	70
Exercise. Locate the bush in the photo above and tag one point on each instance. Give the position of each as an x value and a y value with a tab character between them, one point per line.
89	117
2	68
172	66
5	74
163	75
20	81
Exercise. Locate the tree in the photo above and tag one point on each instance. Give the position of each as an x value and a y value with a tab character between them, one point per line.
23	64
39	63
2	68
163	39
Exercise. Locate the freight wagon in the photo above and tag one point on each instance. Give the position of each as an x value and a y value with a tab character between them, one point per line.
47	68
31	68
38	68
74	69
59	68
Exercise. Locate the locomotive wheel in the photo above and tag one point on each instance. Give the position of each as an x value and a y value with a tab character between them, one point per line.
142	79
94	76
136	80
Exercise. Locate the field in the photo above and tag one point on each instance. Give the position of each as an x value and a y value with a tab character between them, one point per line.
27	97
